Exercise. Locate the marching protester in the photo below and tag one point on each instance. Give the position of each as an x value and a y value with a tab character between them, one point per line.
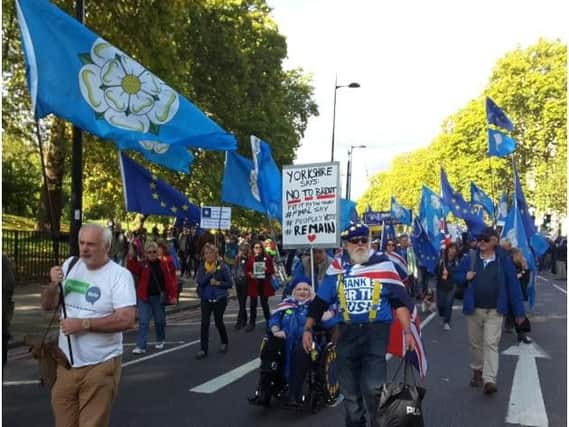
491	290
100	304
321	263
185	251
119	244
445	286
523	275
408	254
214	280
156	288
366	289
259	270
241	283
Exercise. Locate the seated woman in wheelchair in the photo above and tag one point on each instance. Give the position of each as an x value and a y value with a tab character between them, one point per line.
283	359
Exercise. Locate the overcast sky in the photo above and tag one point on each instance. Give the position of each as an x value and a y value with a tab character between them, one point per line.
416	61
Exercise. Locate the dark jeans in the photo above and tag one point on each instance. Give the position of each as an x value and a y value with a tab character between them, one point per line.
185	263
241	286
300	361
425	275
445	300
360	357
218	308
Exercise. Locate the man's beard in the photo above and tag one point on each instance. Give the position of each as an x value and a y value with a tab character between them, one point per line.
360	255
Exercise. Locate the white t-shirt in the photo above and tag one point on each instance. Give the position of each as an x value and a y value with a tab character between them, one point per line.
94	294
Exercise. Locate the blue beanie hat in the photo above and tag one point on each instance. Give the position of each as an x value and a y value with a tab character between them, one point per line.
299	279
355	230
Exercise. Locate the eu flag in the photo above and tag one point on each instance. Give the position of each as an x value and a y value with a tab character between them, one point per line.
240	185
425	253
459	207
146	194
538	243
400	213
479	197
496	116
500	144
515	232
348	213
80	77
269	178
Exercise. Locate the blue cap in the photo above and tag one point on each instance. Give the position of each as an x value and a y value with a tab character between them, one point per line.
355	229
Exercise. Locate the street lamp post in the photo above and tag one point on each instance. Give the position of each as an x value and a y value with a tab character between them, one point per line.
349	170
336	87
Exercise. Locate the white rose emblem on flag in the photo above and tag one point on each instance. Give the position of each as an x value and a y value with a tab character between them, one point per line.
124	93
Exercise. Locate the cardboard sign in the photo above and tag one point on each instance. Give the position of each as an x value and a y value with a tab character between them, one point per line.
215	217
311	205
378	218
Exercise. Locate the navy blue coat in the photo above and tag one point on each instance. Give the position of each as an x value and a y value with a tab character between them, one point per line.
509	292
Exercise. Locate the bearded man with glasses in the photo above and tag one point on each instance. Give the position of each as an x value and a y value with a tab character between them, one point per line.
491	287
366	288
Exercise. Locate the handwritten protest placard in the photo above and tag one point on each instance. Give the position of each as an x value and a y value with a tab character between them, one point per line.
311	205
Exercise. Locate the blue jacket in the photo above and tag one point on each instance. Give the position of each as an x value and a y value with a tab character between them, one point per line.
509	292
208	292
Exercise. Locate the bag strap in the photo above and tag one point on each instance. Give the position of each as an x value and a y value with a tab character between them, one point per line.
55	311
407	367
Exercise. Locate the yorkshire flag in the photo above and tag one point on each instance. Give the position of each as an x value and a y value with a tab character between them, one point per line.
146	194
400	213
79	76
500	144
479	197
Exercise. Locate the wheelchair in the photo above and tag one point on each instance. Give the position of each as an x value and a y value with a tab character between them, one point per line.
320	388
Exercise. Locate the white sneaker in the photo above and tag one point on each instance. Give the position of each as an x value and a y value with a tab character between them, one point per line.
159	346
446	327
137	350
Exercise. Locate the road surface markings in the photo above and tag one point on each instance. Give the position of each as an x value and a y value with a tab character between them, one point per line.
160	353
131	344
24	382
526	406
219	382
553	284
223	380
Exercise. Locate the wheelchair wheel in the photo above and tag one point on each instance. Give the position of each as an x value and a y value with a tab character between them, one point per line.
329	374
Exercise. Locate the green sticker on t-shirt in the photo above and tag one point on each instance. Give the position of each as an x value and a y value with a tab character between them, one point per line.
72	285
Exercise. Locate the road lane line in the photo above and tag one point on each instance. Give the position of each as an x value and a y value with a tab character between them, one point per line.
24	382
553	284
219	382
160	353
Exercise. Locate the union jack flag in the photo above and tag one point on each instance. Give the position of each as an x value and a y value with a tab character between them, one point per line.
397	345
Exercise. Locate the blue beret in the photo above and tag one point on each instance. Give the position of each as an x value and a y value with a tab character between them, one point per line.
355	230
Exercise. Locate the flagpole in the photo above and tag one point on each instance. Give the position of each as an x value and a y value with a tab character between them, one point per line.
382	233
494	219
55	239
76	167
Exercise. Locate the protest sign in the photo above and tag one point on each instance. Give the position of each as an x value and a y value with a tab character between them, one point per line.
215	217
311	205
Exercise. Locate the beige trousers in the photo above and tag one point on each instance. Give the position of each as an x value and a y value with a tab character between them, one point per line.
83	397
484	331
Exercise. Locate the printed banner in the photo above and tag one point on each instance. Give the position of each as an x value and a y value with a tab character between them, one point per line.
311	205
216	217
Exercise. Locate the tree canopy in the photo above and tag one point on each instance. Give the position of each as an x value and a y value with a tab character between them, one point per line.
530	85
225	56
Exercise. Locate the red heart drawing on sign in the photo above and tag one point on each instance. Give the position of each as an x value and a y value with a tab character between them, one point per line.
311	237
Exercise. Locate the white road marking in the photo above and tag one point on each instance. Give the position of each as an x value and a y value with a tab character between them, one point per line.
221	381
526	406
24	382
553	284
160	353
151	343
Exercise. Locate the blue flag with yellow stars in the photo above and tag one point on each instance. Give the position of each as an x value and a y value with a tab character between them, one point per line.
459	207
424	251
400	213
146	194
496	116
75	74
479	197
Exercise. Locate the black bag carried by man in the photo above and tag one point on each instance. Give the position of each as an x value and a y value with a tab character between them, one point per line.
400	404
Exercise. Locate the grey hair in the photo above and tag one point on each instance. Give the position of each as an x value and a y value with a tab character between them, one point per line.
106	233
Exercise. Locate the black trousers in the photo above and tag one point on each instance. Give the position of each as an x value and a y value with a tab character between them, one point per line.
300	362
264	304
241	286
217	308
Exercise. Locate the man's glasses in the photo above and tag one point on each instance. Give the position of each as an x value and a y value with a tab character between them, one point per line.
389	244
356	240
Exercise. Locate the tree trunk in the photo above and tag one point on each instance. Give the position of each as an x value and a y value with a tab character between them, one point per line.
54	152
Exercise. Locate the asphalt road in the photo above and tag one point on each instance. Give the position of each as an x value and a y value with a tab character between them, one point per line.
156	388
